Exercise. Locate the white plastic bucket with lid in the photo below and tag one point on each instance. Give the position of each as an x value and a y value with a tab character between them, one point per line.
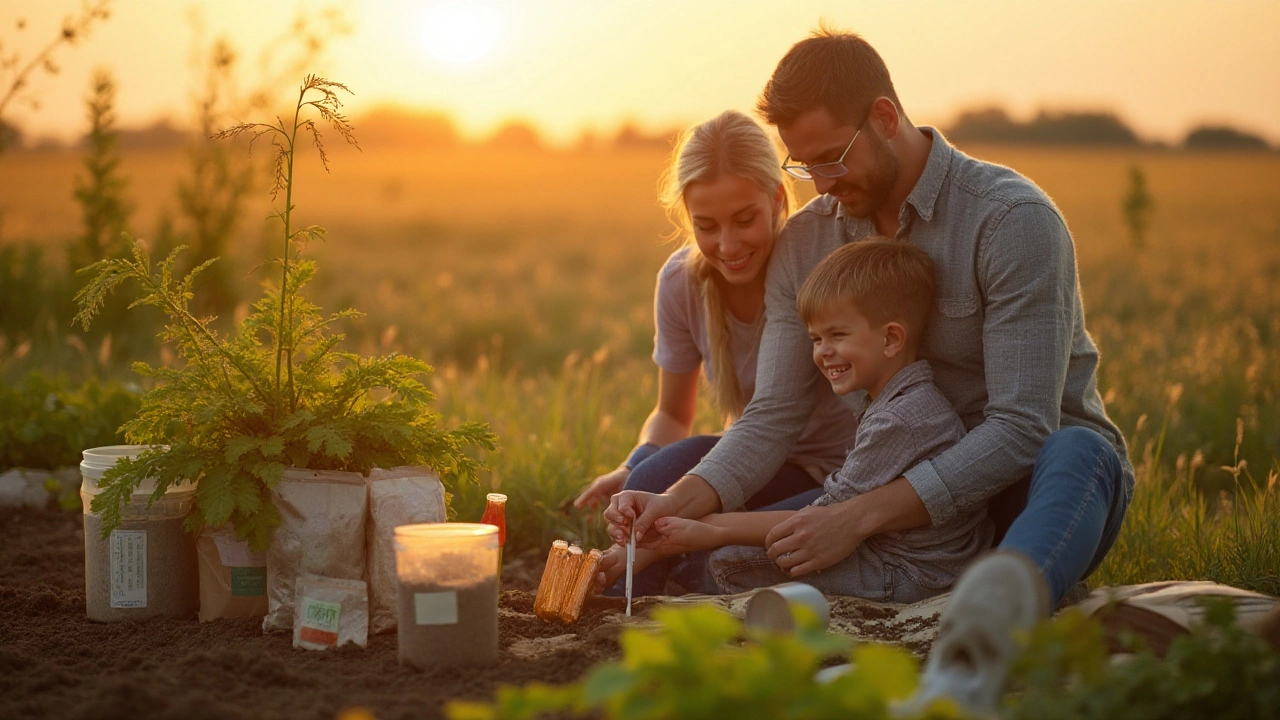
96	463
146	567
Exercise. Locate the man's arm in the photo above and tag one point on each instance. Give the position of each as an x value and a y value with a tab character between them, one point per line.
755	446
753	449
1027	274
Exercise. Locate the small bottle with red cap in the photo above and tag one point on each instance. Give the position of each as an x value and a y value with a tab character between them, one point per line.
495	513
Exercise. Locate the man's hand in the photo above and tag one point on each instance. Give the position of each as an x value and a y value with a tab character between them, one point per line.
602	488
681	535
640	508
813	539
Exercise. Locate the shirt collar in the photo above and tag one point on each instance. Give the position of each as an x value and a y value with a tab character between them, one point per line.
913	374
924	196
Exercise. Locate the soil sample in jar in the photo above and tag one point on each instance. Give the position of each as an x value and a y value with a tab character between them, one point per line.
146	568
448	625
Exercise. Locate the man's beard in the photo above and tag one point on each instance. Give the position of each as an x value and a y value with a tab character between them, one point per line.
871	198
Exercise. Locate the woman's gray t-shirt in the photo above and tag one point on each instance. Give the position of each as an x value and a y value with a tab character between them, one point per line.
681	344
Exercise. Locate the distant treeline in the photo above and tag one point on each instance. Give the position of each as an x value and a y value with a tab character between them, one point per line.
993	125
400	128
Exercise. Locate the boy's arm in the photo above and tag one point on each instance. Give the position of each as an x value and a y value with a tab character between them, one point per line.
746	528
677	535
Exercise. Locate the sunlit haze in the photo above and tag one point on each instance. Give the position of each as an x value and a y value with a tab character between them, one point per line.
569	66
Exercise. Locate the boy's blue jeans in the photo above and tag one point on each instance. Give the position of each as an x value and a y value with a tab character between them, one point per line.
1070	510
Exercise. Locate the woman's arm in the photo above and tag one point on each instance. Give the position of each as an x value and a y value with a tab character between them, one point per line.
670	421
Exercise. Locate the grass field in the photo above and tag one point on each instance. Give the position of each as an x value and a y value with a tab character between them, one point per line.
527	279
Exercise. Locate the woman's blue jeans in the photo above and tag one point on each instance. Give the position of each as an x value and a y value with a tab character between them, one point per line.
1069	513
790	489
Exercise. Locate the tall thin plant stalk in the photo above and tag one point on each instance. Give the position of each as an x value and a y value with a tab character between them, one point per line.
284	138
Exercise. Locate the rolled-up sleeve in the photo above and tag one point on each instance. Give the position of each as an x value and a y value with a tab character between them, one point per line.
1027	274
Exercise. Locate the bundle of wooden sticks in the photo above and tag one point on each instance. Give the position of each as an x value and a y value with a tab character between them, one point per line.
566	581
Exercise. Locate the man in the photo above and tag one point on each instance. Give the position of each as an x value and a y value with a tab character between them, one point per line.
1006	340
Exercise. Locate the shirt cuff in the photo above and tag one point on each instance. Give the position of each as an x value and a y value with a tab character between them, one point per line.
720	480
933	492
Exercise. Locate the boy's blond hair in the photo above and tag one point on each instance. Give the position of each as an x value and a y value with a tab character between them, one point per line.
885	280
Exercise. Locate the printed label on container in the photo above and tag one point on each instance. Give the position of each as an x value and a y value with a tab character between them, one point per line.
248	581
319	622
236	553
128	568
437	608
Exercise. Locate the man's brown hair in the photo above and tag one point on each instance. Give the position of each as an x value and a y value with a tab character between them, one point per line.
884	280
833	69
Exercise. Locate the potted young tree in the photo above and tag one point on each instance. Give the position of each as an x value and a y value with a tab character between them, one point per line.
276	392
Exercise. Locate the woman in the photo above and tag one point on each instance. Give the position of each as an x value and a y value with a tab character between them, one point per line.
726	193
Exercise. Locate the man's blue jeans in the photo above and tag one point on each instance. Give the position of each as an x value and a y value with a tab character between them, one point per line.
790	489
1070	509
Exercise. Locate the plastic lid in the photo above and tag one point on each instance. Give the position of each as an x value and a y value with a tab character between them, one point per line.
446	530
98	460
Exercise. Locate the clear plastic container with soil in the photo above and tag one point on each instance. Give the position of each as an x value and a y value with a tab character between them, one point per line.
145	568
448	599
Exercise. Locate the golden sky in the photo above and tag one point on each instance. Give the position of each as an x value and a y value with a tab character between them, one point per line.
567	65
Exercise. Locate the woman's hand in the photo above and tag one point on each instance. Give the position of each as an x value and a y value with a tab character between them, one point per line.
815	538
681	535
603	488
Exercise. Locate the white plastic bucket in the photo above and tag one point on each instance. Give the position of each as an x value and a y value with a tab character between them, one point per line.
147	566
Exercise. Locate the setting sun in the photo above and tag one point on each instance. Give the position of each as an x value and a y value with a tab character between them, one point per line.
460	33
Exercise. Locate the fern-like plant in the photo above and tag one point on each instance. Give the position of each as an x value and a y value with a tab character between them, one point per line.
276	392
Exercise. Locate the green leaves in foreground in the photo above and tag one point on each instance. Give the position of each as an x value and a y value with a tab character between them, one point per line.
695	665
1218	670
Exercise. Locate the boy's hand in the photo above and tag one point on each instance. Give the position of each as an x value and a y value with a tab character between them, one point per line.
613	562
680	535
602	488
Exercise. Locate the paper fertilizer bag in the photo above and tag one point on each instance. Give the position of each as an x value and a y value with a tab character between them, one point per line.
322	531
233	578
399	496
331	612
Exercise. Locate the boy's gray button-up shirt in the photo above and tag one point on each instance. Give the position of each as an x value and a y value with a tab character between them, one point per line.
1006	338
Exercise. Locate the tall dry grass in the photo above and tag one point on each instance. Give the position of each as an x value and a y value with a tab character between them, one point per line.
498	266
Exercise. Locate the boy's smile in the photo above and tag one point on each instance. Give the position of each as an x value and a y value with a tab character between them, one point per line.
850	352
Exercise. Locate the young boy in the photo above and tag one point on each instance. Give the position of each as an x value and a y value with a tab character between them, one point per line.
865	306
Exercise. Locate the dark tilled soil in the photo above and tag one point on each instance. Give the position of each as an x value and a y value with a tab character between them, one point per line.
55	663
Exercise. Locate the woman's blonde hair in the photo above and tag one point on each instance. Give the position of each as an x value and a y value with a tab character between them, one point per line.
729	144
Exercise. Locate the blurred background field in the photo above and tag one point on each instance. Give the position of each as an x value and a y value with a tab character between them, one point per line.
526	276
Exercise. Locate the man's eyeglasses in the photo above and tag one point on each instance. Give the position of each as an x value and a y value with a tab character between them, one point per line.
827	169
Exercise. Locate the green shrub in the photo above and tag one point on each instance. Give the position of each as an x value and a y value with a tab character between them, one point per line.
277	391
1218	670
47	422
